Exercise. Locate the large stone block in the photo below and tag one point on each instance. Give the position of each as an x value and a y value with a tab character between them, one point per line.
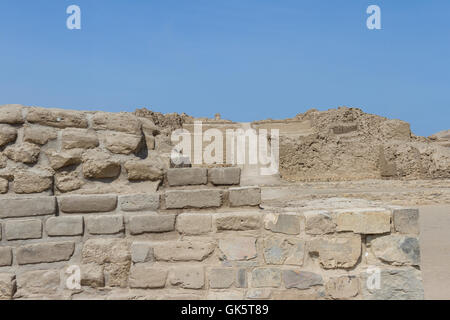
224	176
343	287
123	122
364	221
287	223
5	256
147	277
205	198
122	143
245	196
319	222
58	118
64	226
11	113
104	224
79	138
139	224
26	182
238	221
27	153
139	202
7	286
23	229
266	277
99	165
397	249
183	250
68	181
63	159
394	284
101	251
187	277
406	221
337	251
186	176
87	203
284	251
7	134
38	134
38	283
301	279
27	207
144	170
45	252
194	223
221	278
238	248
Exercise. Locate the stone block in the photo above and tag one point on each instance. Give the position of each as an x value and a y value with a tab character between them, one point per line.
186	176
221	278
301	279
319	222
397	249
187	277
104	224
142	252
5	256
38	283
92	275
139	202
144	170
239	221
122	143
102	251
183	250
364	221
343	287
238	248
27	153
38	134
23	229
266	277
147	277
58	118
194	223
245	196
7	134
26	182
406	221
7	286
284	251
224	176
144	223
11	114
45	252
27	207
336	251
205	198
287	223
87	203
122	122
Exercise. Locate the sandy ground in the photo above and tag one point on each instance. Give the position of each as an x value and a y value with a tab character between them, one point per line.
435	250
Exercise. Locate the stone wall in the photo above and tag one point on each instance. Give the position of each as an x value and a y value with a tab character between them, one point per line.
203	237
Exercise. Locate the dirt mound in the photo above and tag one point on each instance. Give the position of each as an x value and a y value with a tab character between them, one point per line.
348	144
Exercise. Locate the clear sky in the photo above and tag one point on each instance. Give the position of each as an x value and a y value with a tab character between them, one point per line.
246	59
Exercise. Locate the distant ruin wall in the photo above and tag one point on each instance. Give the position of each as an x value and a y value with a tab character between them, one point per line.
191	241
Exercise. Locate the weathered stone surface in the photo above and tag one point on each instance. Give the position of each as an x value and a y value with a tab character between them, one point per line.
68	181
105	224
45	252
186	176
224	176
11	113
63	159
92	275
284	251
123	122
139	202
319	222
7	286
183	250
144	170
5	256
147	277
7	134
99	165
142	252
4	185
343	287
205	198
221	278
38	134
194	224
101	251
364	221
406	221
23	229
64	226
38	283
238	221
58	118
187	277
32	182
117	274
336	252
397	249
238	248
245	196
259	293
87	203
301	279
266	277
26	153
122	143
144	223
25	207
288	223
395	284
79	138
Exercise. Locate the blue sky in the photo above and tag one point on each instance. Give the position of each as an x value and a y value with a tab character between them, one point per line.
246	59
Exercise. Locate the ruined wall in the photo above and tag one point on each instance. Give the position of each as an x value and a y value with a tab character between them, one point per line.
203	237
